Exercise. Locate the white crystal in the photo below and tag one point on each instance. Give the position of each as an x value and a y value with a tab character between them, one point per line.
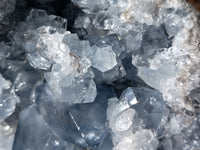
128	97
70	72
123	119
5	84
143	140
104	58
8	99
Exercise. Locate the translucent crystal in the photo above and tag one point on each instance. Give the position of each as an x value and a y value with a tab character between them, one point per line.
37	18
34	20
111	40
128	97
24	85
109	76
123	75
113	43
8	99
171	143
90	6
5	84
104	58
133	41
107	143
127	130
154	40
82	22
42	138
7	134
68	57
124	121
151	108
34	58
7	105
156	78
145	140
82	124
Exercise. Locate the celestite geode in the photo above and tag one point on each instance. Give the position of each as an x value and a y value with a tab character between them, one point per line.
99	75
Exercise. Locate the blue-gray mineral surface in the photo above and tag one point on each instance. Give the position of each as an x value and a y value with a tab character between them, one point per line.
99	75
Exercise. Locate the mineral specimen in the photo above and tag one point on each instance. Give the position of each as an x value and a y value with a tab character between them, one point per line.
100	75
69	65
126	127
8	100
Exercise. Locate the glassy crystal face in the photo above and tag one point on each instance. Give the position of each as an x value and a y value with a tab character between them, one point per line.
82	124
104	58
151	108
43	138
4	84
8	99
99	75
126	128
90	6
67	61
7	134
7	105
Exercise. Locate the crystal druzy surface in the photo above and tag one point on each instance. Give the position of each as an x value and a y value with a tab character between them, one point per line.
99	75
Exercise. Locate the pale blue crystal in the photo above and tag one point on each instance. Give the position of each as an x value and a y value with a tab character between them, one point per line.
82	124
29	138
103	58
7	105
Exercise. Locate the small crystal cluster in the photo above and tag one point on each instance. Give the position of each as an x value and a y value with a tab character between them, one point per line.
99	75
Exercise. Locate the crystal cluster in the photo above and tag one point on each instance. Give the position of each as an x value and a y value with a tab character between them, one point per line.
99	75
